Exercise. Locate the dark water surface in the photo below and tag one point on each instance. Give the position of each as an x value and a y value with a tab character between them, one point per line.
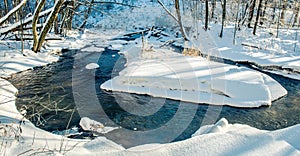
58	95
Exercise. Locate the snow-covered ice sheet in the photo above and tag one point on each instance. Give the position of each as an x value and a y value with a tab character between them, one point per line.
164	73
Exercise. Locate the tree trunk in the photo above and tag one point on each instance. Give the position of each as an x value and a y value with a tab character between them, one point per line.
223	18
297	14
278	21
179	20
257	16
206	15
34	23
5	7
264	11
282	16
236	21
251	12
72	12
213	7
51	18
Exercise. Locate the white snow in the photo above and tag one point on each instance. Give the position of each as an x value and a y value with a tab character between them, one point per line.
219	139
94	126
166	74
13	61
266	50
163	73
92	66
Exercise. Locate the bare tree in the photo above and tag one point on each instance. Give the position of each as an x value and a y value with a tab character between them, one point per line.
251	12
51	18
282	16
206	15
178	19
223	17
257	16
236	21
297	14
213	7
177	7
34	23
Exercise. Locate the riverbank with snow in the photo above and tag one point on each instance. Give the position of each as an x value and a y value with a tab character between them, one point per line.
280	55
21	137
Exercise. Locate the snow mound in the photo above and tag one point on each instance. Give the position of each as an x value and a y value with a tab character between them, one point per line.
164	73
229	139
94	126
92	66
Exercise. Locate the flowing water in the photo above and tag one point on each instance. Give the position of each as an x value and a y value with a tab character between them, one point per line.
51	93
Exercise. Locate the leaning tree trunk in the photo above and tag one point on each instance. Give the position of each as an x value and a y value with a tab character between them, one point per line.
257	16
223	18
51	18
180	21
34	23
87	14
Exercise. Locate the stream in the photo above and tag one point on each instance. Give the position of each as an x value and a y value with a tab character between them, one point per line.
56	96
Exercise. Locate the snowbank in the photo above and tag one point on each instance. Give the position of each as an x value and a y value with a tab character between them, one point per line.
12	61
263	49
164	73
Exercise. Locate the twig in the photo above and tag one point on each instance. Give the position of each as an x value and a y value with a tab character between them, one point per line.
168	11
252	46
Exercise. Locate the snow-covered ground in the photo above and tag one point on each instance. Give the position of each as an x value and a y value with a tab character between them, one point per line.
263	50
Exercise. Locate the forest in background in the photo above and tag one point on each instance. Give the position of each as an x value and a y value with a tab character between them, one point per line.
32	20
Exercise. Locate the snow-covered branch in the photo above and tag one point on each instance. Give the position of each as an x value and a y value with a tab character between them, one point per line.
11	12
26	21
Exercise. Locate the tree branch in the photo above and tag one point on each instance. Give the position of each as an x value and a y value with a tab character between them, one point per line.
11	12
